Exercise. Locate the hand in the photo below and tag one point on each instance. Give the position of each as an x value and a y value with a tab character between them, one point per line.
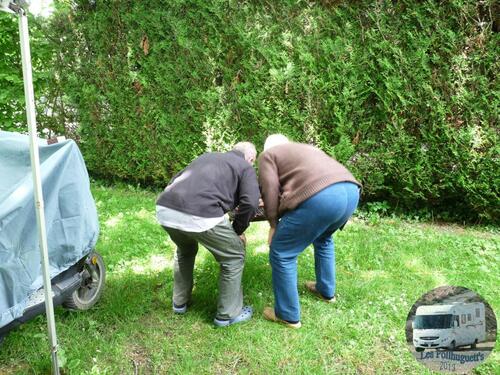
261	202
270	236
243	239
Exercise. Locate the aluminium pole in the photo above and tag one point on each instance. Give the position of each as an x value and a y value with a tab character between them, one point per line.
37	184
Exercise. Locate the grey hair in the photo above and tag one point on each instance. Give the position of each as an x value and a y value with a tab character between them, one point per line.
247	148
275	140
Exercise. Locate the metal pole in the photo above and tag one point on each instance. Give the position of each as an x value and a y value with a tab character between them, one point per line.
37	184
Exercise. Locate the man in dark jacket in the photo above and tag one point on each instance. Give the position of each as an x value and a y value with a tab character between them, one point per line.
192	210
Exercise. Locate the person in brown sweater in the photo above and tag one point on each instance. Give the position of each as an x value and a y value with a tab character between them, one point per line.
307	196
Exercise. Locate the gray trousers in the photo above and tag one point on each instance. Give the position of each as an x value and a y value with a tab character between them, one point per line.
229	251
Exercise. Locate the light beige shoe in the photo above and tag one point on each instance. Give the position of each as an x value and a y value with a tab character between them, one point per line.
311	286
271	316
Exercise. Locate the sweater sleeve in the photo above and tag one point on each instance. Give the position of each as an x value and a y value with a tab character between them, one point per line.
270	187
248	200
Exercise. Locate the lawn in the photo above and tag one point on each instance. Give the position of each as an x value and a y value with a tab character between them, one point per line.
383	266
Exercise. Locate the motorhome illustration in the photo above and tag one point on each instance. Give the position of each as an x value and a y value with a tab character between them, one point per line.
449	326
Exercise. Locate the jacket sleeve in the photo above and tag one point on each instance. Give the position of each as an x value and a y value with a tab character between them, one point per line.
248	200
270	187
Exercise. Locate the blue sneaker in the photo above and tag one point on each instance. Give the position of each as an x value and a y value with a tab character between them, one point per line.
179	309
245	315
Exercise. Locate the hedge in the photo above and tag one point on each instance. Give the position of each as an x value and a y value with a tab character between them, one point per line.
404	93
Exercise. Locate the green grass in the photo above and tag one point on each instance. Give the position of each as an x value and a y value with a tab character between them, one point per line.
383	267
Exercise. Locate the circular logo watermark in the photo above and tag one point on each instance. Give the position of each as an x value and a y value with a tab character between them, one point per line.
451	329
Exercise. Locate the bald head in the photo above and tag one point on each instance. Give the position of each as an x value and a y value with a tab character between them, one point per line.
247	149
275	140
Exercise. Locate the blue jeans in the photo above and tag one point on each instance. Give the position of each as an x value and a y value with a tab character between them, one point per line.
313	221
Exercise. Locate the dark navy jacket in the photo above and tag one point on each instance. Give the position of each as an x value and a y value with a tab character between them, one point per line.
213	184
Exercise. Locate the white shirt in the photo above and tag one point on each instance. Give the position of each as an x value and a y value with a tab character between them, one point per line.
186	222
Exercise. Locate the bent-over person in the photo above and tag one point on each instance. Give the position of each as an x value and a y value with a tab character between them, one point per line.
307	197
192	210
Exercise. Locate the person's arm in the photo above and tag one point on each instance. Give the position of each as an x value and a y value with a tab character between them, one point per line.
270	187
248	200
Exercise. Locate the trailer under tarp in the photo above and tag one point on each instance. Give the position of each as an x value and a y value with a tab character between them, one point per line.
70	213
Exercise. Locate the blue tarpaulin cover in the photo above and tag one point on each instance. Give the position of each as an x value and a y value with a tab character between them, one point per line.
70	213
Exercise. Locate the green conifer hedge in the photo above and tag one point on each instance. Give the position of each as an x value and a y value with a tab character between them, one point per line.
405	93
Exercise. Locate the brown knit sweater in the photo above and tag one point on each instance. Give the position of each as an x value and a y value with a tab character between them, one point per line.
290	173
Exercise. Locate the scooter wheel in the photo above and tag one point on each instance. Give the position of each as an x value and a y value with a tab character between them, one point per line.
92	286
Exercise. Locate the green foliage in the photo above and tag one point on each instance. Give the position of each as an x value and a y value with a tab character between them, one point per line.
12	94
12	104
404	93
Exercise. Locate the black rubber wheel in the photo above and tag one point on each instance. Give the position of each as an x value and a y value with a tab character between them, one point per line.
453	345
92	287
419	349
474	346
